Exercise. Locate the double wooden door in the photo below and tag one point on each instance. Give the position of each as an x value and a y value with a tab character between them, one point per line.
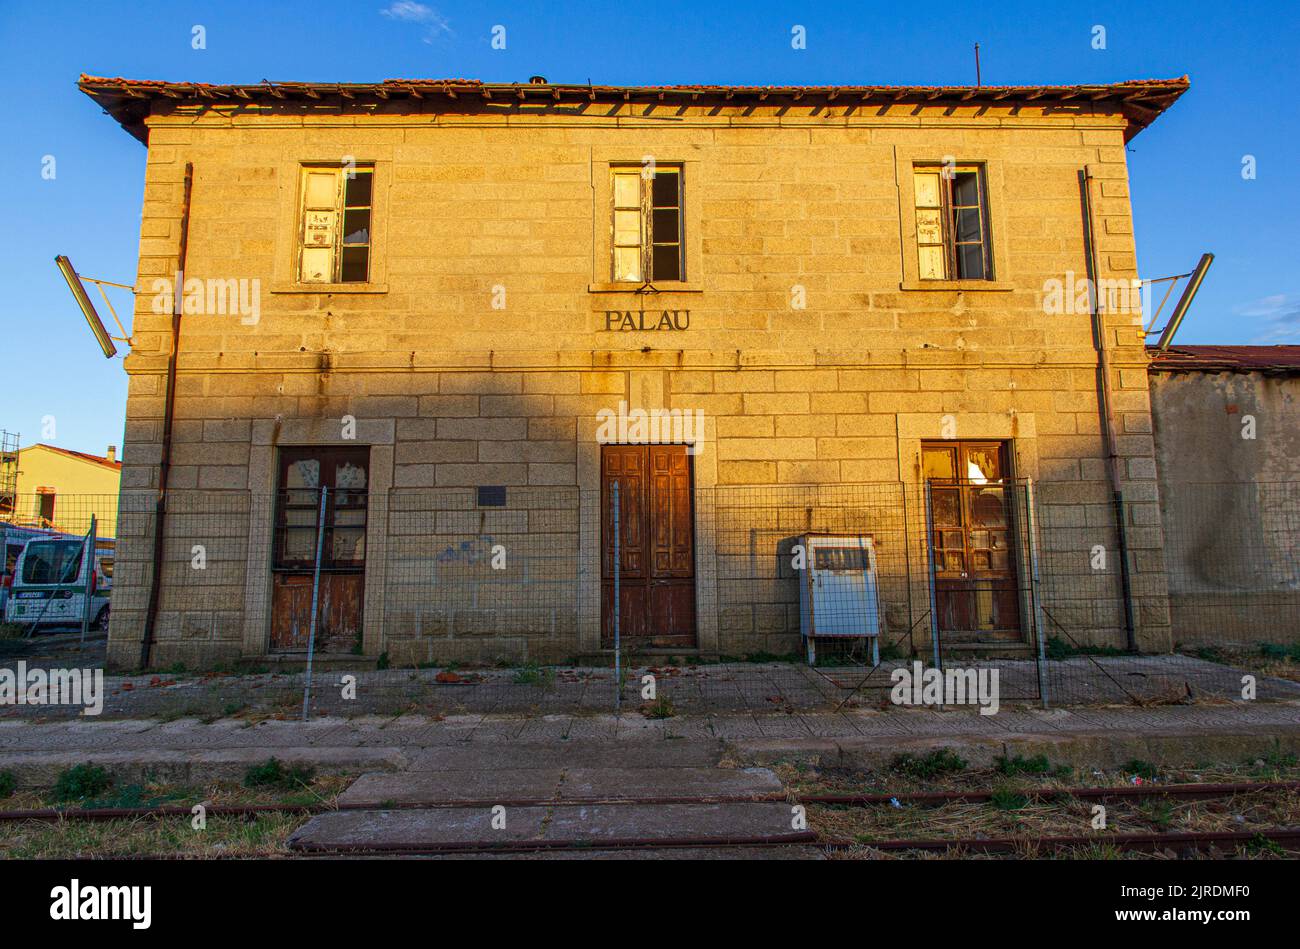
977	592
339	607
656	545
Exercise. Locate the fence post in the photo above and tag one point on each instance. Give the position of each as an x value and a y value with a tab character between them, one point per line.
929	559
87	590
315	600
1035	591
618	569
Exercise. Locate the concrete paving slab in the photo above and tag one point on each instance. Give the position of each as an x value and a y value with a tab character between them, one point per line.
783	852
605	783
603	823
569	754
568	825
439	787
555	785
413	829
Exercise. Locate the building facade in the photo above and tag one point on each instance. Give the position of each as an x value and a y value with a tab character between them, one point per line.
61	489
450	303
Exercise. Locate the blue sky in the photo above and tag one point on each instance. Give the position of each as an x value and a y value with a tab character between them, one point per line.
1189	195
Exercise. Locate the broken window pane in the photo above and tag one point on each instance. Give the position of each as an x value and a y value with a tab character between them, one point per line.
667	262
348	475
665	189
358	188
968	224
356	226
356	265
965	189
970	262
665	225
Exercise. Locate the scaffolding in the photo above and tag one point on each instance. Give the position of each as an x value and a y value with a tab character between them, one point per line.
8	472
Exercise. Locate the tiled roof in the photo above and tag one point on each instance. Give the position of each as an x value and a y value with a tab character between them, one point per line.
131	100
79	455
1283	360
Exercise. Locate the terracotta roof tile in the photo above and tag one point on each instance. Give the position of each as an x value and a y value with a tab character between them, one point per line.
1269	359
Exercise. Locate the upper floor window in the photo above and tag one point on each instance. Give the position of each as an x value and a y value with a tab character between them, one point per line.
647	224
952	223
334	224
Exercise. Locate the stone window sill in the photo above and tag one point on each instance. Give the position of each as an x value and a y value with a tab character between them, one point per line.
977	286
329	288
664	287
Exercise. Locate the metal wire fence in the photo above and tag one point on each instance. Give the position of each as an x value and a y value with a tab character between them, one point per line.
453	601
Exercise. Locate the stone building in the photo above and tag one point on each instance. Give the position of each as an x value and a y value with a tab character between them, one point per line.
1227	435
446	301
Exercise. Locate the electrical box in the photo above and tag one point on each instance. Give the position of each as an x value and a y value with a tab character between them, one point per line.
838	593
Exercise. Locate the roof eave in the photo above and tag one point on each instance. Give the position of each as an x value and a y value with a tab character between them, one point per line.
130	102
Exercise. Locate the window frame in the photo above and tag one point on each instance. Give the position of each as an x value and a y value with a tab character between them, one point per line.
906	160
343	174
646	208
948	209
286	274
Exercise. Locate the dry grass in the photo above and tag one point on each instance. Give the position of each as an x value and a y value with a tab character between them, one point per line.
261	835
1064	818
1022	816
805	779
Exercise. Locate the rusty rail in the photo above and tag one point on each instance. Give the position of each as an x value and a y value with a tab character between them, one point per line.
1140	792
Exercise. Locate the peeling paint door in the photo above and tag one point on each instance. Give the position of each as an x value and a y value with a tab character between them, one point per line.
345	471
976	590
656	545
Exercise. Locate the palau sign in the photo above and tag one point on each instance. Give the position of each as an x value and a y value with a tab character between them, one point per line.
630	320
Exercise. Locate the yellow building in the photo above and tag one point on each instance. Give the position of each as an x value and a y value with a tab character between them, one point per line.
857	309
61	489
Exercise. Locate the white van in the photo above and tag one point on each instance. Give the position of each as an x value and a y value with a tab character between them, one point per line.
49	583
12	541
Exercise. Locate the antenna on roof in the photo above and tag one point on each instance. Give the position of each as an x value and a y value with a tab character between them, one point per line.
88	309
977	65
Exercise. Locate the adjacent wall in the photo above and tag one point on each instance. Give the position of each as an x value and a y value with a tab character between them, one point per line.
1226	447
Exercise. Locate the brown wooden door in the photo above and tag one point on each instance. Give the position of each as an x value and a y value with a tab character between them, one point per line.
340	599
656	527
977	595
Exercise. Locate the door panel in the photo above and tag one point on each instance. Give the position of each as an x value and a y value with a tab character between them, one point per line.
657	534
339	611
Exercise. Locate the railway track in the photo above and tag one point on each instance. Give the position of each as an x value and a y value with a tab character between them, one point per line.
918	798
1285	838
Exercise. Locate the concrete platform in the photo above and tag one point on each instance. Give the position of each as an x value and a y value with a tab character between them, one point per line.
597	825
783	852
557	785
191	751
